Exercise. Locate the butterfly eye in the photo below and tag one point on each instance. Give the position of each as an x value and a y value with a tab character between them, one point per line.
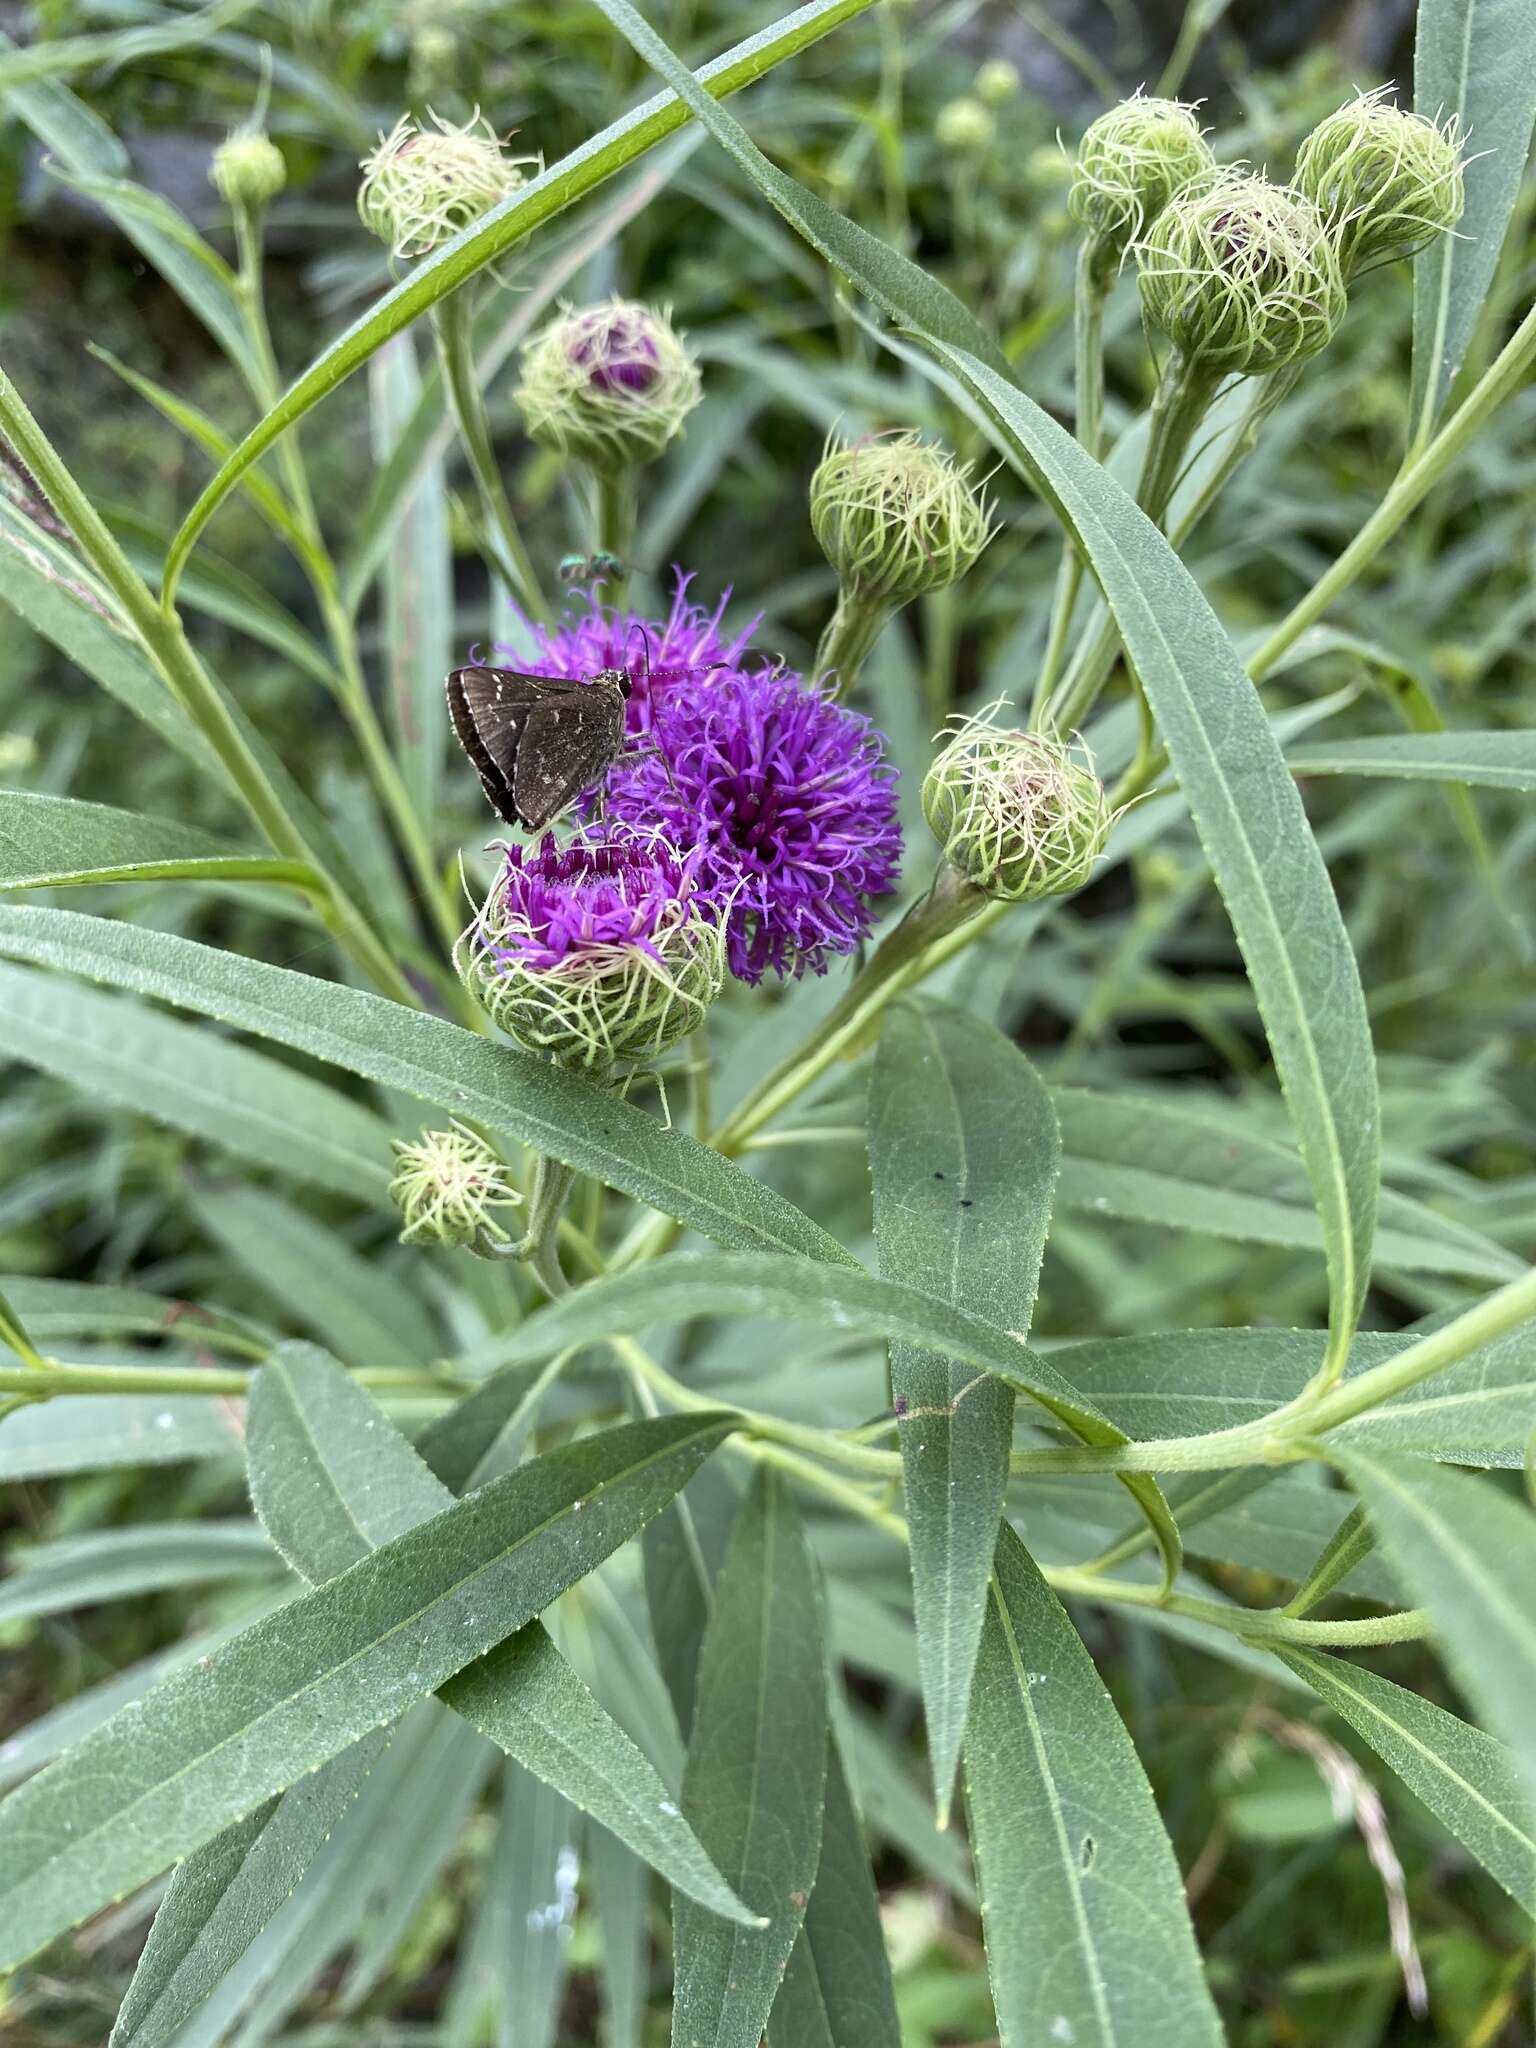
626	687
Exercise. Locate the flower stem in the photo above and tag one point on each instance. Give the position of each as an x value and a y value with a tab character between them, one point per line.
1418	476
451	327
614	526
850	633
1088	350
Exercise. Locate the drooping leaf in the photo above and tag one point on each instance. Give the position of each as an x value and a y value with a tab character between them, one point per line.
195	1081
1474	60
58	842
1466	1551
211	1744
542	1105
963	1148
331	1478
1467	1779
755	1777
1243	802
1088	1935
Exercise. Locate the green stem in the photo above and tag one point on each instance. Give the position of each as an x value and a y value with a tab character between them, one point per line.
1417	478
617	508
1183	398
1257	1624
850	633
451	326
62	1378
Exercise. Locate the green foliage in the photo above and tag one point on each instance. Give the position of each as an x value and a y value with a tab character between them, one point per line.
979	1496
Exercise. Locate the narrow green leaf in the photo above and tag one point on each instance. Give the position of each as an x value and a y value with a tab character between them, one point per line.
225	1893
1476	60
332	1478
1490	760
499	1413
963	1150
506	1989
683	1549
837	1990
1144	1159
1088	1935
1244	804
61	55
356	1305
1187	1382
211	1744
1466	1551
78	1308
755	1775
506	1090
122	1564
96	1432
503	228
55	841
620	1882
1466	1778
195	1081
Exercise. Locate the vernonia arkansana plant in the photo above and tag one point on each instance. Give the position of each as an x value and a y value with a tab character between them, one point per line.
766	1262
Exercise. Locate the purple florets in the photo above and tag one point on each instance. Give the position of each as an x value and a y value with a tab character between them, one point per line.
618	353
779	799
554	903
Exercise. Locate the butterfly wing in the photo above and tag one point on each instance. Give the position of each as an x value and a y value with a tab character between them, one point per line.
568	743
490	708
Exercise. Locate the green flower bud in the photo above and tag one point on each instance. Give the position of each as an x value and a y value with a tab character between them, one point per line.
1014	813
896	517
611	384
964	127
446	1185
1385	181
248	171
422	186
997	82
1131	162
1242	275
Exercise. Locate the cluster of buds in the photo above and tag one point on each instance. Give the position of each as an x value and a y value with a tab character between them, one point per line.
1242	275
597	954
248	171
1130	163
1016	815
446	1186
1385	181
610	384
422	186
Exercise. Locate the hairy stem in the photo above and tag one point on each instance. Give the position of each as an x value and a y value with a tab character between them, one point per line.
451	328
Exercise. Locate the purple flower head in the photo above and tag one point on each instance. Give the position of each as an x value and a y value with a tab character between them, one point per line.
787	803
616	349
656	654
592	896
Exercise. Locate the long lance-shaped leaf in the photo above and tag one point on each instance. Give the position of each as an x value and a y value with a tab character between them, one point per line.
1467	1779
1476	60
500	230
1488	760
1088	1936
1467	1553
57	842
756	1772
963	1151
332	1478
801	1290
211	1744
438	1062
1244	803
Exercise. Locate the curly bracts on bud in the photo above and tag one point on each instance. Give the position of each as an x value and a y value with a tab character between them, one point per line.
611	384
446	1185
1386	181
599	954
422	186
248	171
1130	163
896	516
1242	275
1015	814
